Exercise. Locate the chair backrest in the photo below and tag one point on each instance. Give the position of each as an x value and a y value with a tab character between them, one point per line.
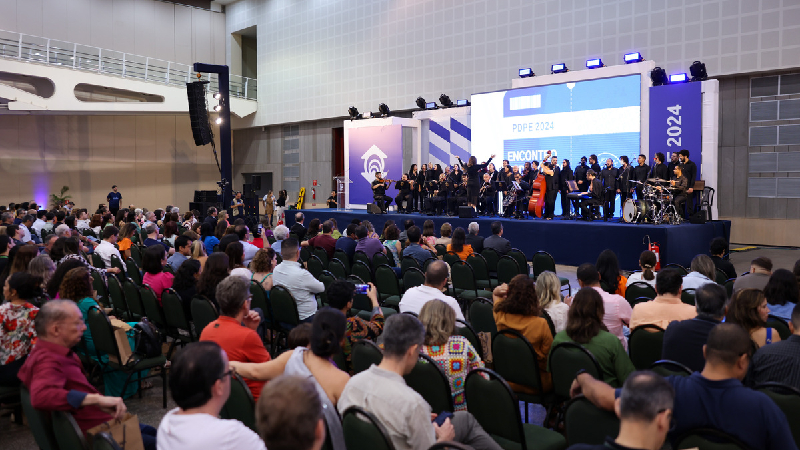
360	255
493	404
259	299
550	324
665	368
441	249
136	254
709	439
362	271
284	306
97	261
327	278
729	286
102	333
463	277
542	261
104	441
305	253
134	298
481	316
174	312
363	431
386	281
788	400
645	345
479	267
337	269
132	271
466	330
66	430
168	269
315	266
491	256
445	445
520	258
687	296
240	404
428	262
430	381
408	262
364	354
515	359
100	286
413	277
342	257
780	325
322	254
507	268
39	421
117	298
152	310
721	277
564	362
384	258
203	313
677	267
451	258
637	290
588	424
116	262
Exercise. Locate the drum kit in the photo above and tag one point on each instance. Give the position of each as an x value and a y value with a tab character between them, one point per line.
654	207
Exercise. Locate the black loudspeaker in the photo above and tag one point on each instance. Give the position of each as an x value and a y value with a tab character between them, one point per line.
372	208
256	182
198	115
466	212
699	217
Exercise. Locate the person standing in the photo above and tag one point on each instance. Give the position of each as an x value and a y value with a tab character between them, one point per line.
113	199
237	205
623	181
412	179
269	206
332	204
593	164
580	175
609	177
552	175
565	175
690	172
640	175
473	170
674	161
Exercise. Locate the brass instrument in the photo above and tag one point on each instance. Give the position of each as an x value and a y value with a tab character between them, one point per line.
484	187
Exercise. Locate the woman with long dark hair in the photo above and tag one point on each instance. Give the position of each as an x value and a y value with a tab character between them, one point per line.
749	309
185	283
458	244
608	266
17	333
647	262
215	270
473	170
412	177
782	293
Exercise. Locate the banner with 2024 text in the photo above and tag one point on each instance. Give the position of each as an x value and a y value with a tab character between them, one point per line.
676	121
373	149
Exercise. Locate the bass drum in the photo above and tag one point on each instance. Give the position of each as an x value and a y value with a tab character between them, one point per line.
634	211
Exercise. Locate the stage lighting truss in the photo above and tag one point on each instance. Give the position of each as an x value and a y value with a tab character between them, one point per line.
559	68
678	78
631	58
698	71
525	73
659	76
594	63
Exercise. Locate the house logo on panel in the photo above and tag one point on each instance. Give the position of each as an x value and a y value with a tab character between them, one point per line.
374	161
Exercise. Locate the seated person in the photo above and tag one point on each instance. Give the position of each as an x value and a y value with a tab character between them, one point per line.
684	339
340	296
617	310
714	398
291	274
183	251
54	374
703	272
367	244
17	332
153	261
748	309
416	247
594	196
200	382
782	292
647	262
289	415
779	362
548	293
760	271
458	244
382	391
667	306
717	249
436	277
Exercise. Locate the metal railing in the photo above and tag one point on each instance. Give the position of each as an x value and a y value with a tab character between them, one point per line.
69	55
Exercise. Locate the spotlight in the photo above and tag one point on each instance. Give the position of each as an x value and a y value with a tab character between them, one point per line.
431	105
659	76
445	101
558	68
678	78
462	103
630	58
218	108
383	109
525	73
698	71
217	95
219	120
420	103
594	63
353	112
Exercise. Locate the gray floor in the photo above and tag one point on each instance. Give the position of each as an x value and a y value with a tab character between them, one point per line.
149	407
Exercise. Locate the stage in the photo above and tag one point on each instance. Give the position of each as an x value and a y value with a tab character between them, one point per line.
570	242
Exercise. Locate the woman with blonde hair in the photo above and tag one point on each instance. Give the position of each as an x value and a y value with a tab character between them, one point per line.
548	290
446	230
199	252
453	353
749	309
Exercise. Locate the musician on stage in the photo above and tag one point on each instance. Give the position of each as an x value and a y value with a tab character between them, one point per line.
593	164
527	173
332	200
412	178
493	173
624	175
640	175
420	186
438	192
680	187
379	186
523	196
486	197
609	176
580	175
675	160
595	195
551	179
457	195
404	186
690	172
473	171
660	170
566	175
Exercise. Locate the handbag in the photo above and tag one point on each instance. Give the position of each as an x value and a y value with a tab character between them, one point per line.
125	431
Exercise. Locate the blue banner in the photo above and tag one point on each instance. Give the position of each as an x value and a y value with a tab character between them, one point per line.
676	121
373	149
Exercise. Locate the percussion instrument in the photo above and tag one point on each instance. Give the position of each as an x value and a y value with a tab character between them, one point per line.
635	211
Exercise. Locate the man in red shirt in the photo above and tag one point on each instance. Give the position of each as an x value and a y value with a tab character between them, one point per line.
324	240
235	329
54	375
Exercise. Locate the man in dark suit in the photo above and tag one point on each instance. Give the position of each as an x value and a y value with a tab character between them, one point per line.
566	175
675	160
593	164
298	227
640	175
472	237
211	216
496	241
609	176
580	175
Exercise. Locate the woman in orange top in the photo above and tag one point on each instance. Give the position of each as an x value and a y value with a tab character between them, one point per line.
608	266
458	244
516	308
125	242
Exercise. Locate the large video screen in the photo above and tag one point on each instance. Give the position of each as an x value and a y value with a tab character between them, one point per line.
600	116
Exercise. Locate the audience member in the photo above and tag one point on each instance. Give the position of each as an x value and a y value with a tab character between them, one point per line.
402	236
370	230
366	244
585	326
718	248
782	293
348	242
199	252
473	239
262	266
124	240
58	276
392	243
153	260
667	306
324	240
496	241
210	240
290	415
458	244
415	249
107	247
300	336
43	267
250	250
235	328
340	296
6	244
313	229
608	266
183	251
647	262
215	270
760	271
445	231
382	391
54	374
617	309
548	292
211	217
436	277
703	272
17	333
280	233
40	222
748	309
185	283
714	398
428	233
780	362
235	252
200	382
297	280
298	228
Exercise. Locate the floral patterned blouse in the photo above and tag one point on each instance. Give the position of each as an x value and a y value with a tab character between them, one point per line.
17	334
457	358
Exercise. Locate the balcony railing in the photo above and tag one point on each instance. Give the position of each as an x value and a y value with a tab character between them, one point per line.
69	55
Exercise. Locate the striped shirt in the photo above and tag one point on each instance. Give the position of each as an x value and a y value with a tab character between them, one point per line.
779	362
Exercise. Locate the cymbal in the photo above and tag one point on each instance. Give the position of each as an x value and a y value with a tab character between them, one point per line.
657	180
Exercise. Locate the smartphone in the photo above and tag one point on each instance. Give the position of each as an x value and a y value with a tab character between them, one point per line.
362	288
260	228
439	421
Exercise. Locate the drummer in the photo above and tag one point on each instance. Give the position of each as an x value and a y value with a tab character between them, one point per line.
679	187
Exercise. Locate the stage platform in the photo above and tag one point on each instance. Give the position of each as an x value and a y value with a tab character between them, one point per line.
570	242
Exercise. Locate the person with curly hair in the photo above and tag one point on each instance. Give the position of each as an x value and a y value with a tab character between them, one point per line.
17	315
43	267
262	266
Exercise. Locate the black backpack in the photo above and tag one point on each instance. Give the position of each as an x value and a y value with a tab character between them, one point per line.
148	340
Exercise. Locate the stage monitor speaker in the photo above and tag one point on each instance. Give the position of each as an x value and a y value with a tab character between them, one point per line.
198	114
256	182
372	208
466	212
699	217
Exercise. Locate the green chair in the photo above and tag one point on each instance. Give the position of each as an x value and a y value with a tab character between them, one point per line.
105	343
496	408
305	253
687	296
449	445
364	354
507	268
337	269
240	405
271	240
343	258
709	439
464	283
134	299
430	381
97	261
729	286
359	255
521	259
491	257
388	287
315	266
550	324
666	368
408	262
585	423
363	431
9	395
327	279
564	362
481	316
66	430
380	258
322	254
441	249
466	330
203	313
117	298
117	263
136	254
104	441
637	290
780	325
721	277
788	400
168	269
362	271
152	310
481	271
40	422
677	267
542	261
175	315
99	285
645	345
516	361
428	262
284	313
413	277
260	299
451	258
133	272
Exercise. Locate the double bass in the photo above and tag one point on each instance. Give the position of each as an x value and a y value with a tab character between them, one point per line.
536	202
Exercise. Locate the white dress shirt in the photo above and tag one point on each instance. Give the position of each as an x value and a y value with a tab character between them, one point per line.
301	284
37	226
415	298
249	252
26	233
105	249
